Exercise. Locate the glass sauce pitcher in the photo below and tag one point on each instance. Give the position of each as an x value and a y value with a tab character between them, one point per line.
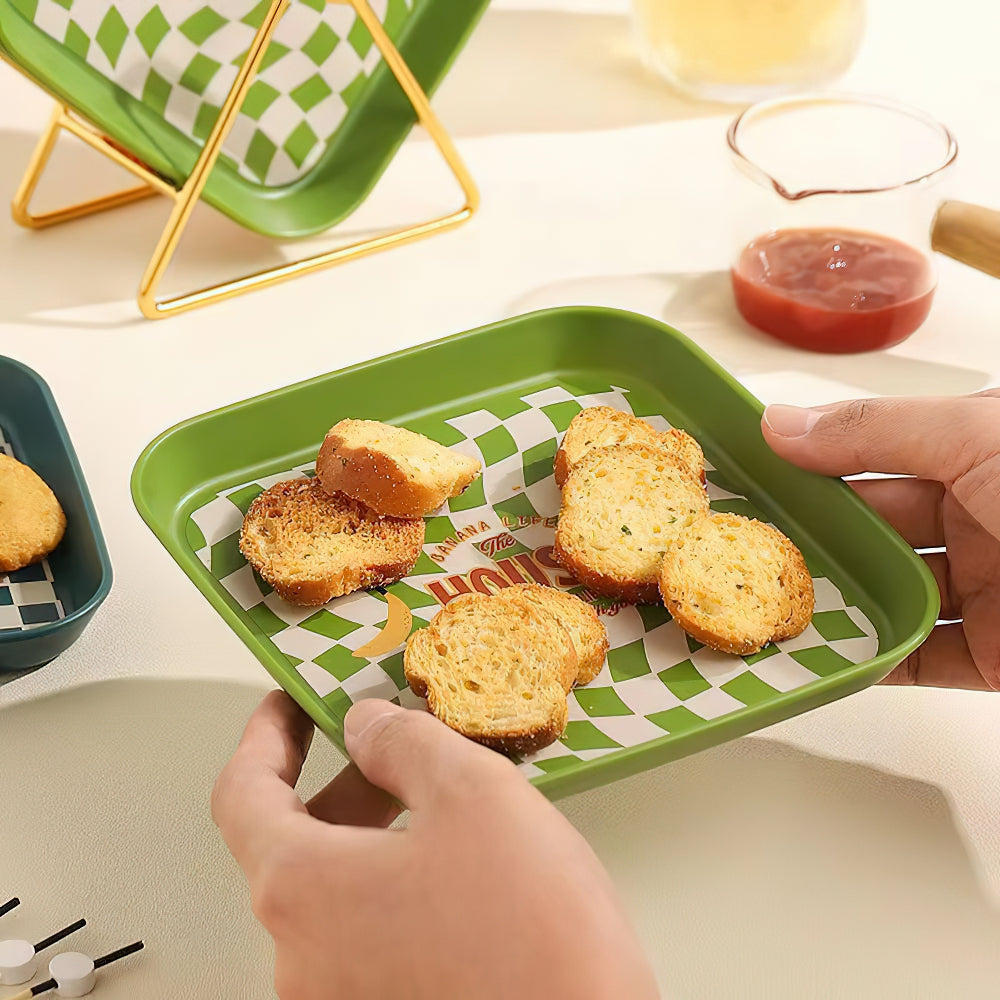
832	219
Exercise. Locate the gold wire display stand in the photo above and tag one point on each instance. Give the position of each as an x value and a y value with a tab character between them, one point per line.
186	196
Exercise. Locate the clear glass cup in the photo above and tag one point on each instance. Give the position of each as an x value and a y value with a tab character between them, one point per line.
831	211
746	50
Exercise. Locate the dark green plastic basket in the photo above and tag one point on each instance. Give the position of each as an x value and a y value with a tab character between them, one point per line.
81	569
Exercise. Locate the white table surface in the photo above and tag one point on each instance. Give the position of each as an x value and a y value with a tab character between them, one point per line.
852	852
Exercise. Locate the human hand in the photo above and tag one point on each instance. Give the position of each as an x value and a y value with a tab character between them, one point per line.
952	446
489	892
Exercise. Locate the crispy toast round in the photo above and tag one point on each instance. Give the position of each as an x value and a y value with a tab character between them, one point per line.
736	584
621	507
312	546
395	471
495	670
590	638
603	426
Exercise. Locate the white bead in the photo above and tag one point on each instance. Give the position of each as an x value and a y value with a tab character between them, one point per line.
73	973
17	962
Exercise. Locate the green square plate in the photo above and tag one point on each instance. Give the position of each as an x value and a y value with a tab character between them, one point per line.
505	393
320	123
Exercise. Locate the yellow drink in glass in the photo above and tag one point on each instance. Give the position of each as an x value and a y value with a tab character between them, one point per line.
745	50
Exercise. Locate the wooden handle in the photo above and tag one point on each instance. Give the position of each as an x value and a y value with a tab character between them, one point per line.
968	233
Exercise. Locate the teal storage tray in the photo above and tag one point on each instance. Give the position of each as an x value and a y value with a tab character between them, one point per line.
505	393
76	577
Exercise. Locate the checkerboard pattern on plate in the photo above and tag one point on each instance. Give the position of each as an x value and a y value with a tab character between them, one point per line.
181	58
27	597
656	680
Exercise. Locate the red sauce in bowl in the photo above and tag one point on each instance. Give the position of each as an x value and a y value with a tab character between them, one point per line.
833	291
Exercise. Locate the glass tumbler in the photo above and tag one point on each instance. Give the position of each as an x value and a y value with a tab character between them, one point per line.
745	50
833	201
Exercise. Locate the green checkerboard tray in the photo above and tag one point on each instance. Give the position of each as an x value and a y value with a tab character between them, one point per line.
660	694
319	125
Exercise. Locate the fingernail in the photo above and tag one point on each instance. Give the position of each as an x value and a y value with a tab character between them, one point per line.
365	715
791	421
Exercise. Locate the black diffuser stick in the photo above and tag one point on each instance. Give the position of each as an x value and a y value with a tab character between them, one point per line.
113	956
9	905
99	963
59	935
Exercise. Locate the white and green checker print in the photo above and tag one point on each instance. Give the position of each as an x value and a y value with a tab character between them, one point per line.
27	596
656	680
181	57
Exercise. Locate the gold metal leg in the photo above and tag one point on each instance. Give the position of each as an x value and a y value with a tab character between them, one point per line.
59	122
186	196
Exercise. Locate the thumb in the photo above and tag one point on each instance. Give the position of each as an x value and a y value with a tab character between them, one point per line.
935	437
414	757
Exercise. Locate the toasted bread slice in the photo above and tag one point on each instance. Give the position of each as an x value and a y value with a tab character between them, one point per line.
590	638
312	546
496	671
797	590
394	471
622	506
736	584
603	426
32	522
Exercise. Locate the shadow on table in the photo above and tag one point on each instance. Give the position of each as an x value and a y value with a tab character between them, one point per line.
760	870
98	261
106	813
765	871
701	306
86	273
556	71
522	71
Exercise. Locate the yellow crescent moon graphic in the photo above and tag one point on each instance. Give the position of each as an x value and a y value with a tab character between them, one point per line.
397	627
